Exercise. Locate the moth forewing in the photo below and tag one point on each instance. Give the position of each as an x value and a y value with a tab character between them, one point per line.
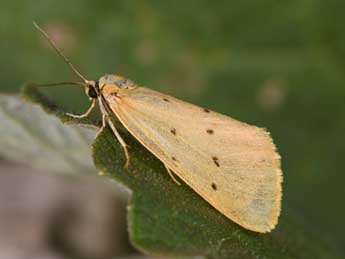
232	165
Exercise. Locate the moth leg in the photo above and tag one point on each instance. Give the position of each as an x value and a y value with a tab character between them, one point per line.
120	139
104	124
172	175
84	114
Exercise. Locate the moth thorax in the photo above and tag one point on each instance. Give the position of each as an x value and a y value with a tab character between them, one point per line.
118	81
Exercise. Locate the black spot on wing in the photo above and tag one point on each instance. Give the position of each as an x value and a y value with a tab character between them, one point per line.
216	161
173	131
210	131
214	186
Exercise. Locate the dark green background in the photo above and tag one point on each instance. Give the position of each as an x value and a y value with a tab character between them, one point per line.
234	57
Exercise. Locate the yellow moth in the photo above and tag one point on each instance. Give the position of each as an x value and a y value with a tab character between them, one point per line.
232	165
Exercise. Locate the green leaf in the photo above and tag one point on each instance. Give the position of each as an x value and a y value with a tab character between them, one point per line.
166	219
30	135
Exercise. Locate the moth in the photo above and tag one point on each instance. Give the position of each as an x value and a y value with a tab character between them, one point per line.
232	165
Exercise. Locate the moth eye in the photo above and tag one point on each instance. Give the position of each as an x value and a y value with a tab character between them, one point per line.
92	93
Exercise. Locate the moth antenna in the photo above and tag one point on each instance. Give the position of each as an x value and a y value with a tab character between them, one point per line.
60	53
57	84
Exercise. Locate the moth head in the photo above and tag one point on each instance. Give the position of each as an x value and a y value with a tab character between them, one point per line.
91	89
117	81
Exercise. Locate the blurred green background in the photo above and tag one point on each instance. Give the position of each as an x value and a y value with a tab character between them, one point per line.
275	64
